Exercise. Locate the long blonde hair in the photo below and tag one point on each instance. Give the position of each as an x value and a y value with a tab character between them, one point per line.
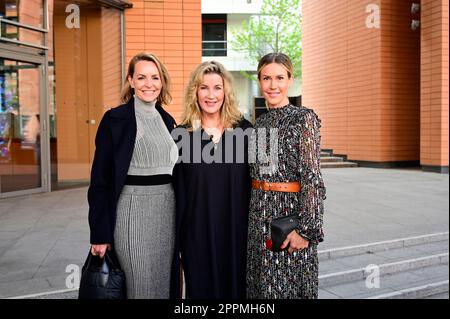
230	113
128	92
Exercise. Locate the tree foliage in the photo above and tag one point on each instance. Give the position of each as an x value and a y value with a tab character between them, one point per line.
276	29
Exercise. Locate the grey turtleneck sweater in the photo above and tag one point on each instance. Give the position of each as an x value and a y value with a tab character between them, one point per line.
155	152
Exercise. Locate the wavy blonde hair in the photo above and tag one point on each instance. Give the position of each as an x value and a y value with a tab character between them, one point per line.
128	92
229	112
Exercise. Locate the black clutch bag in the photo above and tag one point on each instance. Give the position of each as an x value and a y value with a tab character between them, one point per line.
280	229
102	278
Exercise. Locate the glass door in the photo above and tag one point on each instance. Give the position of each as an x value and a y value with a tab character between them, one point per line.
21	127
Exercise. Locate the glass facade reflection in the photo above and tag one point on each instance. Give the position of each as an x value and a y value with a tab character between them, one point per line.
24	12
20	142
78	77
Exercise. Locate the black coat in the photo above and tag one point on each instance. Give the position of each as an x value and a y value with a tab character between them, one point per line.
114	143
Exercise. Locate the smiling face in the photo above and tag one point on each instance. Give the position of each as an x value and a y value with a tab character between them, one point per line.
210	94
146	81
275	82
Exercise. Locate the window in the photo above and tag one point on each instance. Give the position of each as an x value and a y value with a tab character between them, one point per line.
214	35
9	10
22	21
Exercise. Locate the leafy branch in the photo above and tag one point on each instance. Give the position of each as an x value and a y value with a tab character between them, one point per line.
276	29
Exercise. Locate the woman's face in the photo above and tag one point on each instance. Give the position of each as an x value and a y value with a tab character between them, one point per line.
146	81
210	94
275	83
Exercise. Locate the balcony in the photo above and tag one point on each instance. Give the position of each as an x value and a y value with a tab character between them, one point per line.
214	48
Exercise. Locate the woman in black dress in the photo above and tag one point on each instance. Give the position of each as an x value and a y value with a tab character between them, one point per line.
212	187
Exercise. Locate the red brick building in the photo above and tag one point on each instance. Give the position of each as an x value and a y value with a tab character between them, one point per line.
62	64
380	88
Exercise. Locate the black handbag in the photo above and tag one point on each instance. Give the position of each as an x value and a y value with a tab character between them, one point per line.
102	278
280	228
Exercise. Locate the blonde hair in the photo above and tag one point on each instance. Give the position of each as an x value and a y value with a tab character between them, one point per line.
128	92
230	113
279	58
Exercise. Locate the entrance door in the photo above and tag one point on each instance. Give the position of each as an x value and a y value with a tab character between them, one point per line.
88	75
22	142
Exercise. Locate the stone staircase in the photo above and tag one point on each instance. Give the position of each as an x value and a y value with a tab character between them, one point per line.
328	160
406	268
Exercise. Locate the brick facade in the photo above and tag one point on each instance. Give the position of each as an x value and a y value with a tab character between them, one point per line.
434	84
365	82
171	29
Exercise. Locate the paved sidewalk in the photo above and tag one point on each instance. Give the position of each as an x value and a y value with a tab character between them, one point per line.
43	235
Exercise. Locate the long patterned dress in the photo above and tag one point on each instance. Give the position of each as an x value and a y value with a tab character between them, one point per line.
280	275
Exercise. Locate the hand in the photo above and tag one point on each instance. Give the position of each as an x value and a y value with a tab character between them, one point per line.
100	250
295	242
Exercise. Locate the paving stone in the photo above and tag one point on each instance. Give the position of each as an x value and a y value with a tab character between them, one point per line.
324	294
362	261
444	295
330	266
433	272
24	287
41	233
356	290
437	247
404	279
401	254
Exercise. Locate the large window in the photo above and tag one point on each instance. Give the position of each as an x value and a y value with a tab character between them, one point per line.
214	35
22	21
20	129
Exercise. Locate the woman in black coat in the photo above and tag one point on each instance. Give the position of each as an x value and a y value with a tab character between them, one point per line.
212	186
131	200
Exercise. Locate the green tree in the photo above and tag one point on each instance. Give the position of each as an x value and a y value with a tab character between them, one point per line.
276	29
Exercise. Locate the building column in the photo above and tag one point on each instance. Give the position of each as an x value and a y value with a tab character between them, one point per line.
434	86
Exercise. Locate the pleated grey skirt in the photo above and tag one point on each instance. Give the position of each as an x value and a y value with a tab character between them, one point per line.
144	239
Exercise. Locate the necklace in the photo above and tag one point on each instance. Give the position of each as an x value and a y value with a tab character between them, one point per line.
214	132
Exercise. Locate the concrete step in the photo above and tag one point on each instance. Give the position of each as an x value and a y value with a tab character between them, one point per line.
351	263
423	283
412	267
331	278
415	263
322	153
444	295
338	165
327	159
383	246
57	294
435	290
388	289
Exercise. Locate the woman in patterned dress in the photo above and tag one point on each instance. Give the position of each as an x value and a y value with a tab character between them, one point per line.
290	182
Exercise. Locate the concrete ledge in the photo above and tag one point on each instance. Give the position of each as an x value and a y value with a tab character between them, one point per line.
385	269
42	294
416	292
435	169
382	245
328	159
337	165
398	164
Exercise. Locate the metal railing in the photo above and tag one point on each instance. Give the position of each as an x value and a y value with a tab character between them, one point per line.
25	26
214	48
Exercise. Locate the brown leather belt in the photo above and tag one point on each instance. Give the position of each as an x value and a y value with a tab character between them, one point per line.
289	187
